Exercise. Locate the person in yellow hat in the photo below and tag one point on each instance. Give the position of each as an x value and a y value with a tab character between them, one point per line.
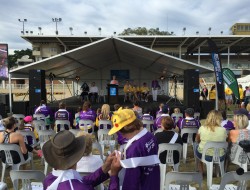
141	162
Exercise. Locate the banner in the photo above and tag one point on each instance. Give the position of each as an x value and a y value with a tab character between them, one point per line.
231	81
217	69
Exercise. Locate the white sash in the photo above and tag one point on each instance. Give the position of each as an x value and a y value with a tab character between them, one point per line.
174	138
64	175
140	161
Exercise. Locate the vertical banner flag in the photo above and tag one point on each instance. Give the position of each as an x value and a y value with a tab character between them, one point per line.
231	81
217	68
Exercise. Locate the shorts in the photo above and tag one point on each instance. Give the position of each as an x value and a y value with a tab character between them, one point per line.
228	97
207	158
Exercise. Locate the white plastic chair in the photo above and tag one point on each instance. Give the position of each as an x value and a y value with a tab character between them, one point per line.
39	116
84	123
197	115
101	95
106	140
45	135
96	145
62	124
216	146
104	124
148	124
75	131
170	148
190	131
158	130
183	179
176	116
232	177
39	124
241	158
8	148
26	176
19	118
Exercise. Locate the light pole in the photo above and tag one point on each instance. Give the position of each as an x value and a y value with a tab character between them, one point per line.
56	20
23	21
40	30
197	32
184	30
100	30
71	29
209	30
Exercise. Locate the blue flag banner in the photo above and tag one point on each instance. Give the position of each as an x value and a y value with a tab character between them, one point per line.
217	69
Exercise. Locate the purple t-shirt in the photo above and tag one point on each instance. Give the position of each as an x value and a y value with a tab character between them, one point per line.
188	122
88	115
228	125
45	110
63	114
142	177
157	123
87	183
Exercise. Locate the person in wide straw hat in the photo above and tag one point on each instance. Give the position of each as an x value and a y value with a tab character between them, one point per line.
63	152
141	162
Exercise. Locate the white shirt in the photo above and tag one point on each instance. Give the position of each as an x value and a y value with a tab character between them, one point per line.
93	89
89	163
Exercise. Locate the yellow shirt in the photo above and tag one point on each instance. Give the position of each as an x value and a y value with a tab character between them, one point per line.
127	88
212	95
144	89
228	91
241	93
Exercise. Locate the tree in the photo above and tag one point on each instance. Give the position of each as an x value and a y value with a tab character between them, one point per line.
18	54
144	31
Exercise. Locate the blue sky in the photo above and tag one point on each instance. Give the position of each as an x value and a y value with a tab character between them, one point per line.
116	15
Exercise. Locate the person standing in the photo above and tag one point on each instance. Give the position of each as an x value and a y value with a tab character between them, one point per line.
114	81
212	93
204	93
155	86
228	96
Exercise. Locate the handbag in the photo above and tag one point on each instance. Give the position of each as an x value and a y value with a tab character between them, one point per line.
245	145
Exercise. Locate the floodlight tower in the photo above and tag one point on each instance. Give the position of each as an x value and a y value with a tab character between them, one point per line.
209	30
71	29
56	20
184	30
23	21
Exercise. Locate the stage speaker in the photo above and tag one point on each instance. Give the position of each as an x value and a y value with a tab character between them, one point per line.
21	107
206	107
4	99
191	89
37	89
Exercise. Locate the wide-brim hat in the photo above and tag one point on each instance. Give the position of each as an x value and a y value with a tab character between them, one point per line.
121	118
64	150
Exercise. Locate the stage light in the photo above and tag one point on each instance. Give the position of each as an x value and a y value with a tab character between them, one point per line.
162	77
23	21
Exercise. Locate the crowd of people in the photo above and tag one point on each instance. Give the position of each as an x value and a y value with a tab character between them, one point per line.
137	165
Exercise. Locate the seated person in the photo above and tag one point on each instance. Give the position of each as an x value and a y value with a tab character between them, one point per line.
167	136
240	133
26	125
137	108
89	162
127	91
85	91
45	110
104	115
159	112
137	92
87	113
9	136
165	112
188	122
210	132
144	92
147	116
63	114
93	92
64	174
176	111
227	124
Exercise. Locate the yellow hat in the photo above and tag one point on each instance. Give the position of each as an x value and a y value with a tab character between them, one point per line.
121	118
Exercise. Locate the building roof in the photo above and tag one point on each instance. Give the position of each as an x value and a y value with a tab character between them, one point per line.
189	44
104	52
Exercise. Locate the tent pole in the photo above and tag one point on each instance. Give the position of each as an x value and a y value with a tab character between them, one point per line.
10	92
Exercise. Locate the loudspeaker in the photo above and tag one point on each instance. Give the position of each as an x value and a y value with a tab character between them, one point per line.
4	99
2	110
21	107
206	107
191	88
37	90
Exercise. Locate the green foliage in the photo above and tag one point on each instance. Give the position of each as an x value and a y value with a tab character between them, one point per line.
144	31
12	59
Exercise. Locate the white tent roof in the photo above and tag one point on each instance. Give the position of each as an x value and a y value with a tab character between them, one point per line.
105	52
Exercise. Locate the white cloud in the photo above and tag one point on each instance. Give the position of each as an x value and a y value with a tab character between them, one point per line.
114	15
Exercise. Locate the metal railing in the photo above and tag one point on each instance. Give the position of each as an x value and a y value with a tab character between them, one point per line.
26	86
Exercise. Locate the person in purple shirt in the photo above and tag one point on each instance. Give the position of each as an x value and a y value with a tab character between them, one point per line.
62	155
147	116
159	112
63	114
227	124
141	163
155	86
87	113
188	121
165	112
